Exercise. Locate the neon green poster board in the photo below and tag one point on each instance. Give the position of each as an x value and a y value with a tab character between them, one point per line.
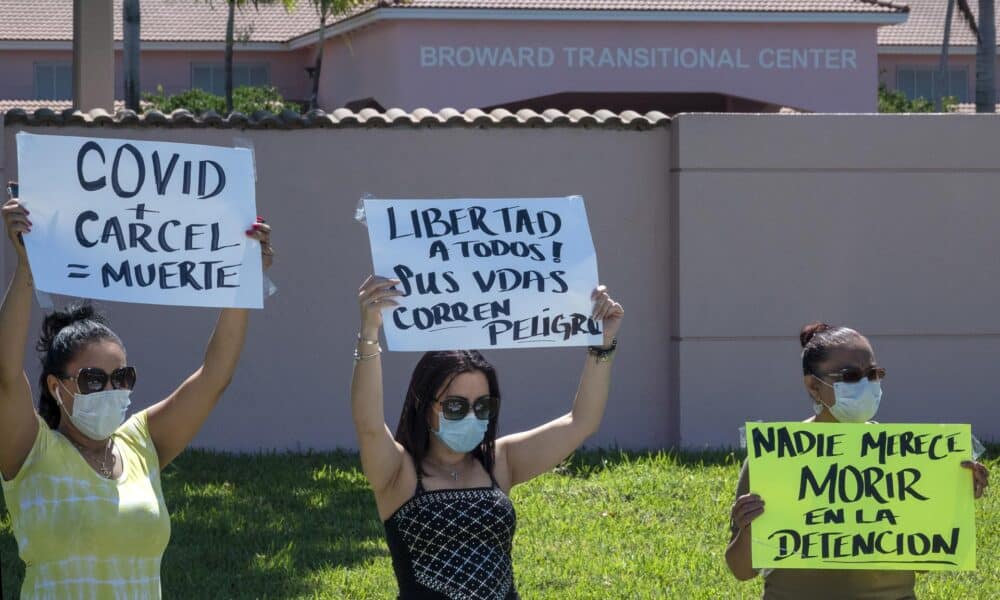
865	496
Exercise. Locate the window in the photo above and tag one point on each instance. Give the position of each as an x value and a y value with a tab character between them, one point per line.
53	81
212	78
920	82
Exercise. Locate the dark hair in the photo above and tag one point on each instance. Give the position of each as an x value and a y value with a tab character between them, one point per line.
818	340
434	371
64	333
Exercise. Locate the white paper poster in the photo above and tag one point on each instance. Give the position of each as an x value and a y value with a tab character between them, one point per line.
478	273
144	222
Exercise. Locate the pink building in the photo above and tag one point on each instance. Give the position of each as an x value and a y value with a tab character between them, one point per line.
666	55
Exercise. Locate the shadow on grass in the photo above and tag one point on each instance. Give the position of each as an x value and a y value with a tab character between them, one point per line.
253	526
589	462
11	567
585	463
256	526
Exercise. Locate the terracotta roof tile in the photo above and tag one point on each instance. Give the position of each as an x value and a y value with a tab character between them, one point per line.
162	20
205	20
925	26
341	118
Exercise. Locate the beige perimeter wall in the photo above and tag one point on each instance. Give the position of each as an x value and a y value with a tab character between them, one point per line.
291	389
721	235
888	224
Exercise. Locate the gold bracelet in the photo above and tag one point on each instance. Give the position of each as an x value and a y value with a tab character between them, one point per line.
367	342
358	357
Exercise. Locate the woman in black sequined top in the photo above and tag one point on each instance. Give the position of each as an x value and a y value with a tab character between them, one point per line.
442	482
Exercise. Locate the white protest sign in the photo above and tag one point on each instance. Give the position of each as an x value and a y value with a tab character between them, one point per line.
501	273
143	222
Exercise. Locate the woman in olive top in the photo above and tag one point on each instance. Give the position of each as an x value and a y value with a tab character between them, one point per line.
844	382
81	483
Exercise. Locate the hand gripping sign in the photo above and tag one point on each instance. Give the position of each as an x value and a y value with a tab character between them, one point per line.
143	222
862	496
475	273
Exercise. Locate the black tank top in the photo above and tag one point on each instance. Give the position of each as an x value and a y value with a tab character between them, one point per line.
453	544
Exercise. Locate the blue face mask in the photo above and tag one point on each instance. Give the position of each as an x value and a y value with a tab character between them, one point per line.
463	435
855	402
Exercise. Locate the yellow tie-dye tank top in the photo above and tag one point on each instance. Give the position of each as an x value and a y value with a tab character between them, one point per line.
81	535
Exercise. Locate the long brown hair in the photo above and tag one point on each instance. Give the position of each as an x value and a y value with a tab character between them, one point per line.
434	371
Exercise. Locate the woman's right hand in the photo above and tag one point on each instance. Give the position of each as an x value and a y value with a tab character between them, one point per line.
375	294
15	220
746	508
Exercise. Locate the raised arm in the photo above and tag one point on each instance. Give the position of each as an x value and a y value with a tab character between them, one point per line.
18	425
174	421
531	453
381	456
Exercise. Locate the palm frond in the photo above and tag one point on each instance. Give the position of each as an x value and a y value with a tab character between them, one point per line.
970	19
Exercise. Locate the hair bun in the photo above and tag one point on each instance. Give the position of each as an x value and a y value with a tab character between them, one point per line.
811	330
58	320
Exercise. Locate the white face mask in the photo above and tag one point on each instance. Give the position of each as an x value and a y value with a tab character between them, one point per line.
855	402
99	414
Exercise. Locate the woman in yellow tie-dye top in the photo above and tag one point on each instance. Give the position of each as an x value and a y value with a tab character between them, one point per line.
81	483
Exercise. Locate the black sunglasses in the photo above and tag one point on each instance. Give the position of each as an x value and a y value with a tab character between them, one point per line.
454	408
92	379
856	374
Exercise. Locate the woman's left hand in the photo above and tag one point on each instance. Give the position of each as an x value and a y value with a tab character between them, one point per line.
608	311
980	476
261	232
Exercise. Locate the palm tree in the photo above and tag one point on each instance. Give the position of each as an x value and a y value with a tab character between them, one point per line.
327	10
986	52
986	59
130	52
230	35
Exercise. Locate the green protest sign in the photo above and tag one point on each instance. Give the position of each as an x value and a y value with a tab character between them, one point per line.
862	496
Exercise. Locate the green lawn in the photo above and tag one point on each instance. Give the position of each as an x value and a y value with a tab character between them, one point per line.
605	525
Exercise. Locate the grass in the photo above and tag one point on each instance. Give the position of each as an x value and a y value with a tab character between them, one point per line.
606	524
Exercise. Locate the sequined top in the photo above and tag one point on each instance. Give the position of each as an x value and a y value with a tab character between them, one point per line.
454	544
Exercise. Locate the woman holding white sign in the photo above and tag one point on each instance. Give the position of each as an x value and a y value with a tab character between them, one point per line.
81	483
844	383
442	482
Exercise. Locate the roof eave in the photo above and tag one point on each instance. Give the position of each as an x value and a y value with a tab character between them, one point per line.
150	45
927	49
376	14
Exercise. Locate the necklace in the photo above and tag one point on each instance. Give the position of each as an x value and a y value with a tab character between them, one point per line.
453	473
103	468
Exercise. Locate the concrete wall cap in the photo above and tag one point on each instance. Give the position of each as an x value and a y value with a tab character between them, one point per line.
341	117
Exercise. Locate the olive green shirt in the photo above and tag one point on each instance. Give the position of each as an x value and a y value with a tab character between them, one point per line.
830	584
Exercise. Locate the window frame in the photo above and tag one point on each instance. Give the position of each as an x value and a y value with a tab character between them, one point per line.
54	65
914	68
220	68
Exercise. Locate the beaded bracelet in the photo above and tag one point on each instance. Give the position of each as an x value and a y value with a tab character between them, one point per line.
603	354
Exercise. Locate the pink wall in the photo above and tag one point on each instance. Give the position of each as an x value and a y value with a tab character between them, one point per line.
172	69
17	70
361	65
426	63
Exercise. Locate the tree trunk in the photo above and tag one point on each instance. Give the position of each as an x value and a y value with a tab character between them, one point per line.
230	25
986	58
130	52
314	99
943	87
